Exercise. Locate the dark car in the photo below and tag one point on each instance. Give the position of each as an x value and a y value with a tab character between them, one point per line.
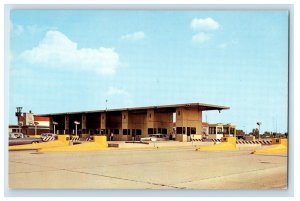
20	141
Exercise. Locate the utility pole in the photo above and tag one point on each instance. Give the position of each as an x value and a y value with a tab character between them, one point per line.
258	123
35	125
54	124
76	123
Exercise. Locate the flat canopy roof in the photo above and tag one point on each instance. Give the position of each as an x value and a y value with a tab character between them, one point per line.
201	106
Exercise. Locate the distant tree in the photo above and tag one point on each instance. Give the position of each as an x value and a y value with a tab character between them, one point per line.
240	132
255	132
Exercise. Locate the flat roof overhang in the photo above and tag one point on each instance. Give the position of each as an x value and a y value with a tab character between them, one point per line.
171	108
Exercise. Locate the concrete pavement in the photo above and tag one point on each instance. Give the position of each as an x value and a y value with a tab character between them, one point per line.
176	168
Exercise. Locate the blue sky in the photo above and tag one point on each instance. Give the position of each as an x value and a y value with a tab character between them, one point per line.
62	61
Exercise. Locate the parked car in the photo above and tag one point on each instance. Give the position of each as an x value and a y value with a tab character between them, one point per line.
48	135
16	135
26	140
155	137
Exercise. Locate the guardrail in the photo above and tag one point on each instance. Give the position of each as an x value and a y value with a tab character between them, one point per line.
48	138
263	142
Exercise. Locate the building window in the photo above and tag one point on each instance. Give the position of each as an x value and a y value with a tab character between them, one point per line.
225	131
232	131
139	131
124	131
180	130
212	130
115	131
219	130
164	131
159	130
150	130
193	130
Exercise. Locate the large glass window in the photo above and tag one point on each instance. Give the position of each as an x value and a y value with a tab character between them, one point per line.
138	131
115	131
179	130
232	131
126	131
150	130
164	131
193	130
225	130
219	130
212	130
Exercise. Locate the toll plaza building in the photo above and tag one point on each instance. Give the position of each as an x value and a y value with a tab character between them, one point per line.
139	122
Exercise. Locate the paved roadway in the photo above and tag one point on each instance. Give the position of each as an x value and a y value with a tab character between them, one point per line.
177	168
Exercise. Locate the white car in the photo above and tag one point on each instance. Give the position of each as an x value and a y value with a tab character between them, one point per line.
155	137
16	135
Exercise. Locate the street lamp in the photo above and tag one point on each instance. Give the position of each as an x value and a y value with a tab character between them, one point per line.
35	125
76	123
54	124
258	123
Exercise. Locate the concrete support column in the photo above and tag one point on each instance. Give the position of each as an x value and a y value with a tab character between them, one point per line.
150	121
102	121
83	121
67	125
125	125
180	122
188	117
83	124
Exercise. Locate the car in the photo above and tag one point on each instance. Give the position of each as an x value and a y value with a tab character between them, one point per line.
48	135
16	135
26	140
155	137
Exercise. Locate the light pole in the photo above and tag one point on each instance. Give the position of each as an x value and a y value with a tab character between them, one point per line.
35	125
76	123
258	123
54	124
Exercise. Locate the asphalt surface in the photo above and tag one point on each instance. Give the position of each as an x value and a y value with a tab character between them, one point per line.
176	168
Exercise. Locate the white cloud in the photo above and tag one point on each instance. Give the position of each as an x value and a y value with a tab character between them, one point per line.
200	37
18	30
58	51
134	36
116	91
204	24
